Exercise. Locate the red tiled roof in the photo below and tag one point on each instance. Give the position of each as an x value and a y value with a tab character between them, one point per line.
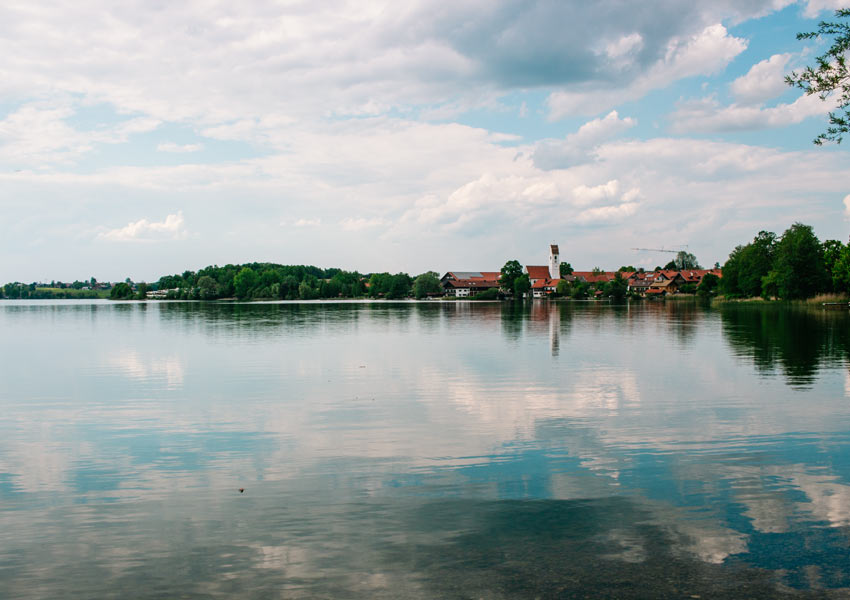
537	272
591	277
696	275
669	273
462	275
471	283
544	283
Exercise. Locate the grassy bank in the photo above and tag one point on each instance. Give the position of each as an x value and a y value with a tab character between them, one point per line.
47	293
818	300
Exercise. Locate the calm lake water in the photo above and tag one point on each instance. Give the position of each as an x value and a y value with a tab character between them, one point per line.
423	450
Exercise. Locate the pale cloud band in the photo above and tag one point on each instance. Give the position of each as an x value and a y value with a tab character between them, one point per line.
143	230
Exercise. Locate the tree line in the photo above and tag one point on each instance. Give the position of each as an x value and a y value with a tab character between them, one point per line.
793	266
255	281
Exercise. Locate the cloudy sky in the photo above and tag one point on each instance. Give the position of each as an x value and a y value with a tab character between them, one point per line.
144	137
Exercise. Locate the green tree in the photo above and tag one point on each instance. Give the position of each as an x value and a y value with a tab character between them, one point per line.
755	261
565	269
289	287
686	260
580	290
616	288
379	284
426	283
671	266
831	250
489	294
841	271
400	286
244	282
708	286
521	285
799	263
142	291
563	288
830	76
510	271
306	291
121	291
770	284
329	289
208	288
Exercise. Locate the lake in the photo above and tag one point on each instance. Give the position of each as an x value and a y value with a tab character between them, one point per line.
423	450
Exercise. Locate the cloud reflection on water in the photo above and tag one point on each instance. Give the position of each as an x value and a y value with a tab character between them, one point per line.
354	421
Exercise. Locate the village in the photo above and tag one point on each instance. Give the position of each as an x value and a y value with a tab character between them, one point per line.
544	280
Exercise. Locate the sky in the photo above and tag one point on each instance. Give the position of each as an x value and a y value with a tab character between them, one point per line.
144	138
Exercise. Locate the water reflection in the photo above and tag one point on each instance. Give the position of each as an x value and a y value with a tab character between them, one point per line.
439	449
799	341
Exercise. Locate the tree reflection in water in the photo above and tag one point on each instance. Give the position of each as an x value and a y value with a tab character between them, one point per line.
798	340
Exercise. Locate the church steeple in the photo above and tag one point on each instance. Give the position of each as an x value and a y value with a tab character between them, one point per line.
554	262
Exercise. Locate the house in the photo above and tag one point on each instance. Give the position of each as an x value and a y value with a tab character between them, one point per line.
543	287
639	283
595	276
664	287
462	284
695	276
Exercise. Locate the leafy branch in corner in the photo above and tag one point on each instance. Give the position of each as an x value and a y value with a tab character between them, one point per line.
830	76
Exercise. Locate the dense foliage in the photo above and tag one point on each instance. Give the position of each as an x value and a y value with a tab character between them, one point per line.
32	291
267	281
794	266
293	282
427	284
510	273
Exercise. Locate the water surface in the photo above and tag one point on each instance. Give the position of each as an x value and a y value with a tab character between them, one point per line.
423	450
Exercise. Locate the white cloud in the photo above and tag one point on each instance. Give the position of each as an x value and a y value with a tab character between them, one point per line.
705	53
144	230
764	80
815	7
451	189
172	147
215	66
847	206
585	195
709	116
287	78
625	45
577	147
607	214
35	133
39	133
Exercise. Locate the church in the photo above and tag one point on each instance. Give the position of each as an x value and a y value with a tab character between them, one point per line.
544	279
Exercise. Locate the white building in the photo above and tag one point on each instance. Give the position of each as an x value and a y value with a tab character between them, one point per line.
554	262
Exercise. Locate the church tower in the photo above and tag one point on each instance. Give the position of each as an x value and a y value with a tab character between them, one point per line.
554	262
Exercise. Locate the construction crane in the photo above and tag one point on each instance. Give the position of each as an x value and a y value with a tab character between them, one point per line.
682	249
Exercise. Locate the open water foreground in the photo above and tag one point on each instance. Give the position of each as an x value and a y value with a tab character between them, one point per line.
423	450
